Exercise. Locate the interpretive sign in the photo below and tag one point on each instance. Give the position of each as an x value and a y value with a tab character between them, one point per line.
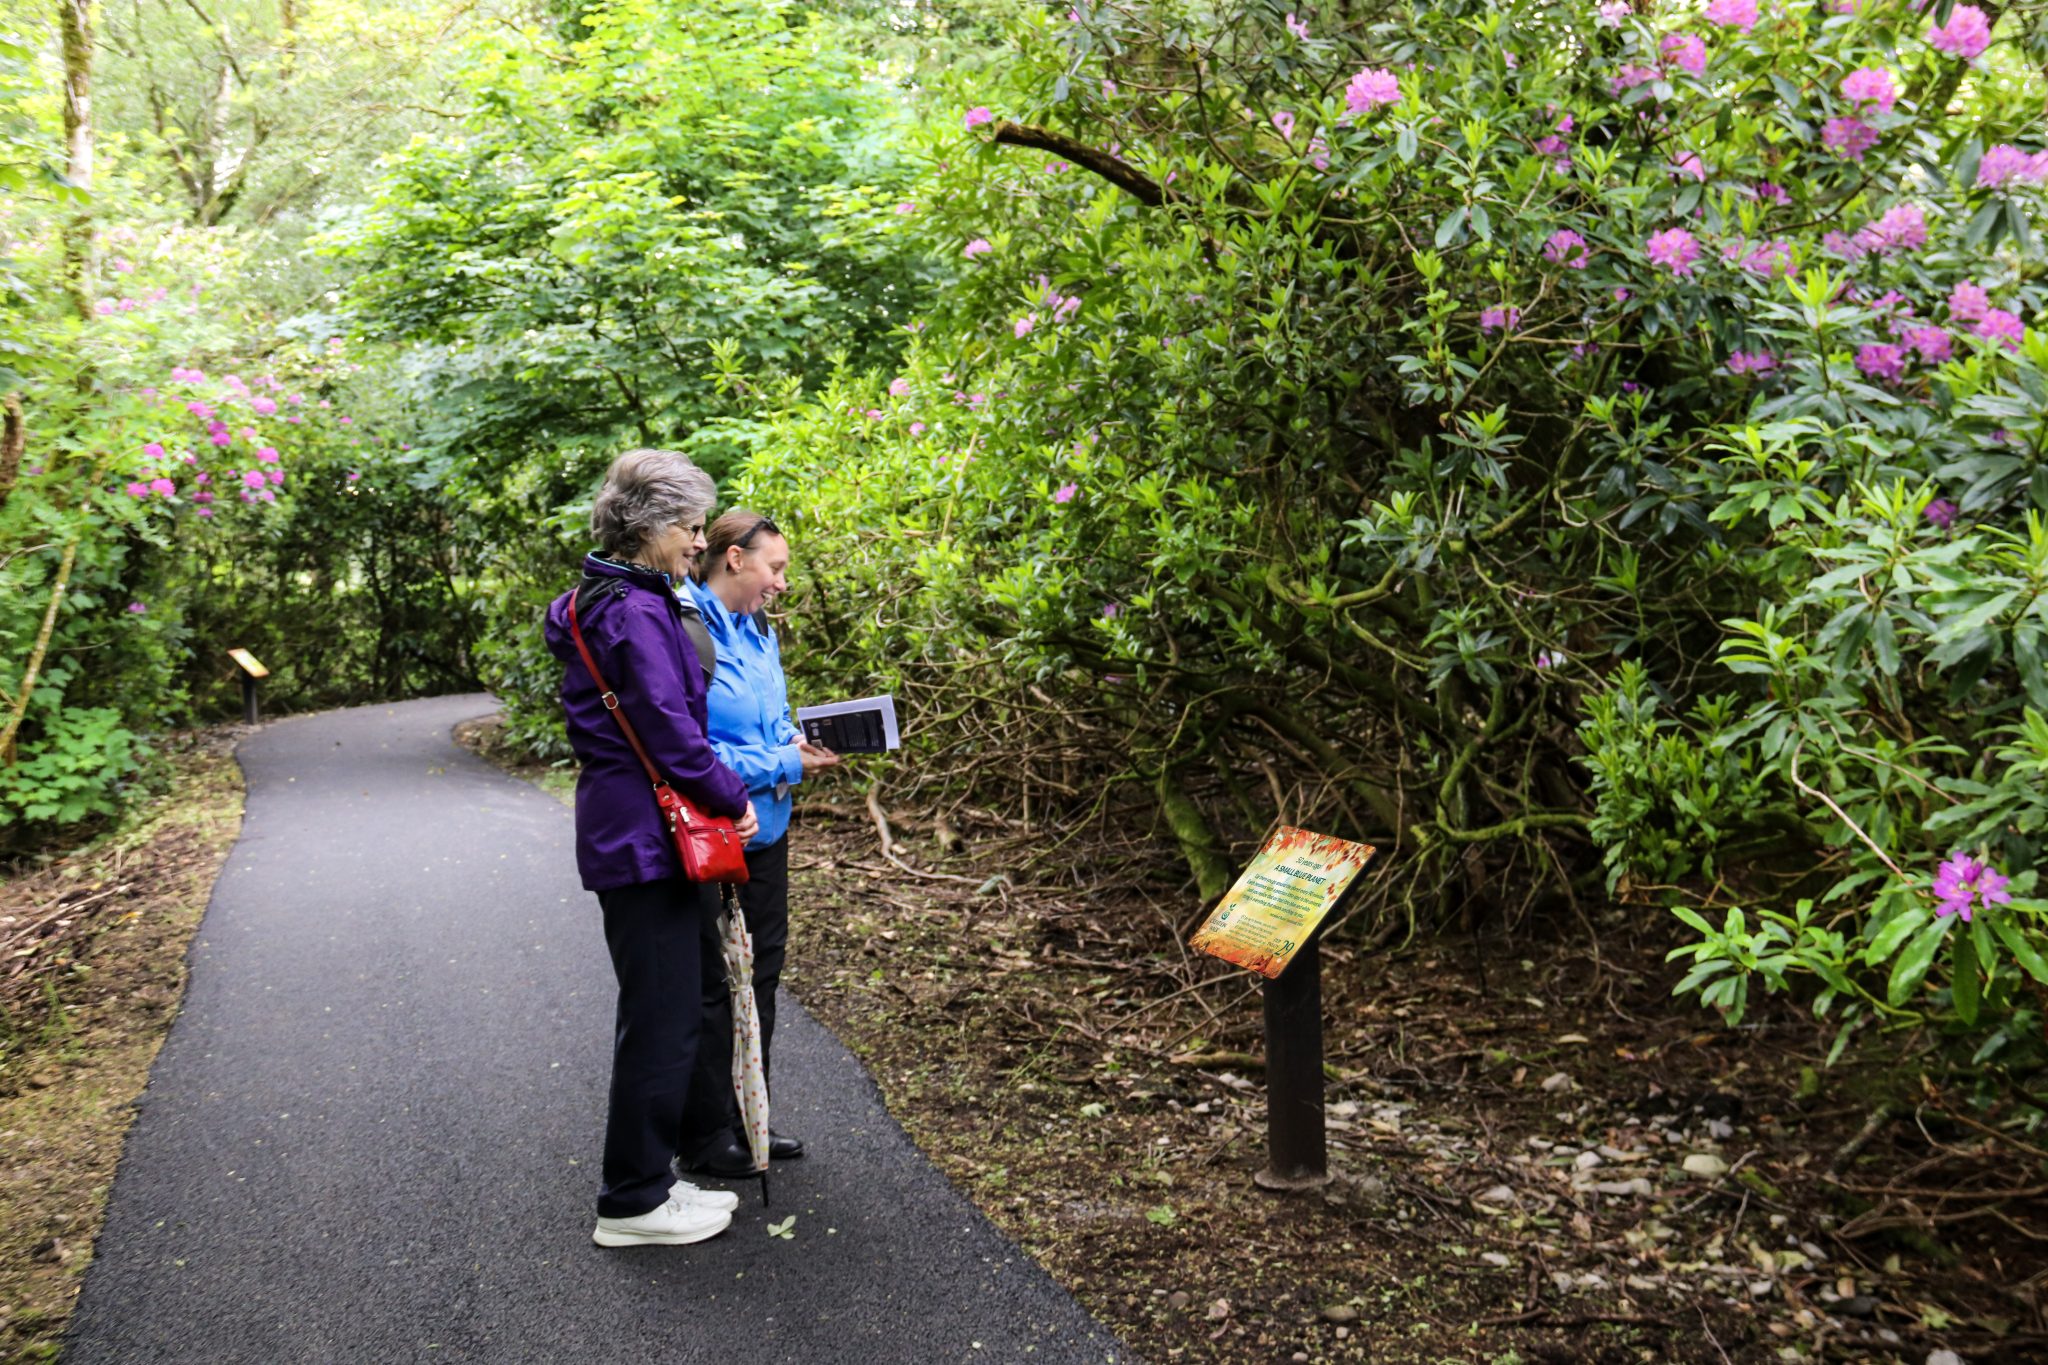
1283	894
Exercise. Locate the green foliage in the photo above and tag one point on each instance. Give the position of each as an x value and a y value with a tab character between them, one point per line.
1339	471
621	194
75	773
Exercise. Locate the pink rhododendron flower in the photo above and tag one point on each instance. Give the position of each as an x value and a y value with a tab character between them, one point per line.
105	308
906	207
1966	34
1751	362
917	428
1505	318
2004	162
1369	89
204	511
873	414
138	490
1933	343
1902	228
1686	51
978	116
1963	882
1967	303
898	387
221	437
1065	492
1872	85
1674	249
1769	259
1689	164
1629	77
345	421
1025	324
1882	360
978	247
1555	147
276	476
1739	14
1848	137
253	478
263	407
1566	248
1284	121
1841	244
154	450
1298	27
1611	13
163	488
267	455
1319	153
2002	327
1942	513
136	609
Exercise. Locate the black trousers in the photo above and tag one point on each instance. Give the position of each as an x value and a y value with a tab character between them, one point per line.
764	901
656	932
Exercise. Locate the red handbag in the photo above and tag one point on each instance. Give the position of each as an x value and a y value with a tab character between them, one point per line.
709	846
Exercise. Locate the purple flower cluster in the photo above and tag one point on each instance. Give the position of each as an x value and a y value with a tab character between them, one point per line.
2004	163
1963	883
1966	34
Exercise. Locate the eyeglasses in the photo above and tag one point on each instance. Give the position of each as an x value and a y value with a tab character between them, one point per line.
764	524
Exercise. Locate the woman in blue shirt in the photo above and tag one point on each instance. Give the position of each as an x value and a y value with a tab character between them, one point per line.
741	571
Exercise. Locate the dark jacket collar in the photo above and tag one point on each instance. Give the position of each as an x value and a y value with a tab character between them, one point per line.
596	565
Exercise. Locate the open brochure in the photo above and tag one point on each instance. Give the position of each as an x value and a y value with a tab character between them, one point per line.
866	726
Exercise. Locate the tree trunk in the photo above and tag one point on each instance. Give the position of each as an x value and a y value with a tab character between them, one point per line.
13	441
35	659
75	21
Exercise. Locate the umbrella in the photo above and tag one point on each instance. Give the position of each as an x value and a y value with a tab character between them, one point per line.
749	1077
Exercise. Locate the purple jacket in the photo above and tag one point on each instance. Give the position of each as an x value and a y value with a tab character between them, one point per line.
633	625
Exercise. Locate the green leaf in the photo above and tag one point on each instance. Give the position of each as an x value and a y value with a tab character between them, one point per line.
1911	967
2016	942
1964	986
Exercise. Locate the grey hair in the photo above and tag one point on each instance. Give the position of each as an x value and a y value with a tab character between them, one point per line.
646	491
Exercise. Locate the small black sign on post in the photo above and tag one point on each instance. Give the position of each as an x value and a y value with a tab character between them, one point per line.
1270	922
252	669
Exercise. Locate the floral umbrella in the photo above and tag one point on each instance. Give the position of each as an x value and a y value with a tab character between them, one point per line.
749	1078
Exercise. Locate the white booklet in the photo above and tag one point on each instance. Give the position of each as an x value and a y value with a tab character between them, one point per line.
866	726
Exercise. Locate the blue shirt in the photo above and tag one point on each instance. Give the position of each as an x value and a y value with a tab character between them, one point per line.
750	727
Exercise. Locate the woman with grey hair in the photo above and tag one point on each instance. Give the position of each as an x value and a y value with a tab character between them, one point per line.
648	522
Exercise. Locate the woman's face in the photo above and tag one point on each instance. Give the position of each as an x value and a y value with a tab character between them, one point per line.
756	574
675	549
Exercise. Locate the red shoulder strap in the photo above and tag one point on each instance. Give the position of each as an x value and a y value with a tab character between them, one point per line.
606	695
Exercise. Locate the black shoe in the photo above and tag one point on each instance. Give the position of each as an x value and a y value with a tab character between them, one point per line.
725	1156
782	1148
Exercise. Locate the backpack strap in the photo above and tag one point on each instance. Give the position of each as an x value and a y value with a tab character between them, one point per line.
700	638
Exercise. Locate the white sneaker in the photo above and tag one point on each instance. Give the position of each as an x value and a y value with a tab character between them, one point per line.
673	1224
690	1196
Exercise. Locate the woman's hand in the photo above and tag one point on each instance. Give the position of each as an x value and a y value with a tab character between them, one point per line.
748	825
816	757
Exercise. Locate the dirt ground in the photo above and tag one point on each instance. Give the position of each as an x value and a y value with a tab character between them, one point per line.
1536	1157
92	968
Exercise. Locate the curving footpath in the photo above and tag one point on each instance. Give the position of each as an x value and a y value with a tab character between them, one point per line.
372	1133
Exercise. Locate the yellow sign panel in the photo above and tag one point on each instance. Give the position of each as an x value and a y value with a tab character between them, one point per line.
1280	899
248	663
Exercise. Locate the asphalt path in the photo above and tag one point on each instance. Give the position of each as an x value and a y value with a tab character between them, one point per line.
373	1132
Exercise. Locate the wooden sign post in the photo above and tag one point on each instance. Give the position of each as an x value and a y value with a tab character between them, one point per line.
252	669
1270	922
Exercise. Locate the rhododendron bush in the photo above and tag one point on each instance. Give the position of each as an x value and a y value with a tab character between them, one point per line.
1579	446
